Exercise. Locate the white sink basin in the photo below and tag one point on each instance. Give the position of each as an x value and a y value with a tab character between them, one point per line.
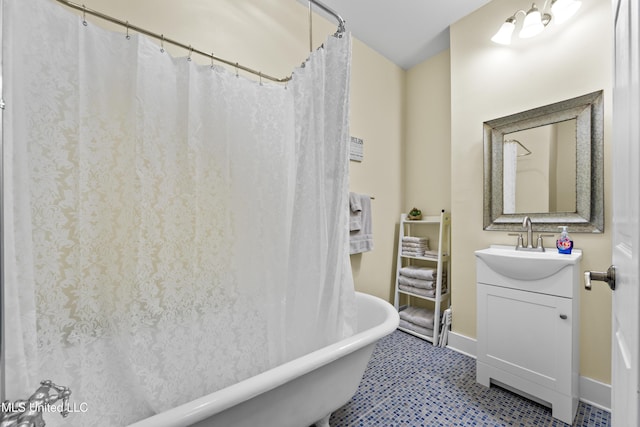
526	265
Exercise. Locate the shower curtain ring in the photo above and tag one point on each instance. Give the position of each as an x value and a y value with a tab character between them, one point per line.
128	37
190	52
84	16
161	43
212	57
237	70
260	75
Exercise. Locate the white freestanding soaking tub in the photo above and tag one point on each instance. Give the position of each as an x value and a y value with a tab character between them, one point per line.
297	393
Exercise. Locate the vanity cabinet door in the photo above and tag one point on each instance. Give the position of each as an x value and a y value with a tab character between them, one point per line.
527	335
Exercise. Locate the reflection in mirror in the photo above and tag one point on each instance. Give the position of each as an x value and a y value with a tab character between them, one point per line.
540	169
546	163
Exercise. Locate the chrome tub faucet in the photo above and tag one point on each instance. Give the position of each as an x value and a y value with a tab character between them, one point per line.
28	413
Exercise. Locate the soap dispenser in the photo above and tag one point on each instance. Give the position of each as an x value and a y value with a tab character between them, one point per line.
564	242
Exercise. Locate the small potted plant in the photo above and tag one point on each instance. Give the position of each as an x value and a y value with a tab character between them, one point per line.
415	214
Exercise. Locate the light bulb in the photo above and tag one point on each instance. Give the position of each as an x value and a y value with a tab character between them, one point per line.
564	9
532	23
503	36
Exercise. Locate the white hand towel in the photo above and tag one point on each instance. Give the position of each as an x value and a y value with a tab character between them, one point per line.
416	272
355	212
418	316
431	254
429	293
417	283
354	202
415	253
415	328
362	240
415	245
415	239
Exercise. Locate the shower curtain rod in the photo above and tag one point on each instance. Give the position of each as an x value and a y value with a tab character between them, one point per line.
189	48
527	151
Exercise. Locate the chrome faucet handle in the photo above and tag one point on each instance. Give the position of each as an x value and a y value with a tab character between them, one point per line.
540	244
62	393
520	242
28	413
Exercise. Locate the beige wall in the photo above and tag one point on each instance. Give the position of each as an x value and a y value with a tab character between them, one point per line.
427	152
272	36
377	93
490	81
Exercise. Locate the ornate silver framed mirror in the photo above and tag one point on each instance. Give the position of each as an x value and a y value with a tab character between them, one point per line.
546	163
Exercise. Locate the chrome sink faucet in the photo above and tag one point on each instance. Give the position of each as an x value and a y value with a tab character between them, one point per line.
526	224
28	413
528	227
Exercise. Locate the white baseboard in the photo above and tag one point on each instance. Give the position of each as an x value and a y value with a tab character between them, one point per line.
595	393
592	392
461	344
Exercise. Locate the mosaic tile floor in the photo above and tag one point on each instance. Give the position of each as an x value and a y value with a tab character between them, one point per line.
410	383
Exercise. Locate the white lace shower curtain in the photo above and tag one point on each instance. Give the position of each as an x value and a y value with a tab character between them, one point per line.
170	228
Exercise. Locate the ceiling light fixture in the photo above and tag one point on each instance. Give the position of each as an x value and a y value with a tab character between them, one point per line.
564	9
535	21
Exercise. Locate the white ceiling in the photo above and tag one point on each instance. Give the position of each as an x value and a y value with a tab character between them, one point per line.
404	31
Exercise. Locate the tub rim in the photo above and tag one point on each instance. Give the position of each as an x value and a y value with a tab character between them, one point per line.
210	404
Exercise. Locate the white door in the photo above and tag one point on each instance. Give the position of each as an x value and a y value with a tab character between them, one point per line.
625	398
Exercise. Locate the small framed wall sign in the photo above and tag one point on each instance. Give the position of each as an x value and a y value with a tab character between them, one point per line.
356	150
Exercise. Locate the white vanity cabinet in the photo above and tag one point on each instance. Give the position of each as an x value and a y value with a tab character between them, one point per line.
528	325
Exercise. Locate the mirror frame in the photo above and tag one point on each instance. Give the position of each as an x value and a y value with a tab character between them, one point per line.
589	215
